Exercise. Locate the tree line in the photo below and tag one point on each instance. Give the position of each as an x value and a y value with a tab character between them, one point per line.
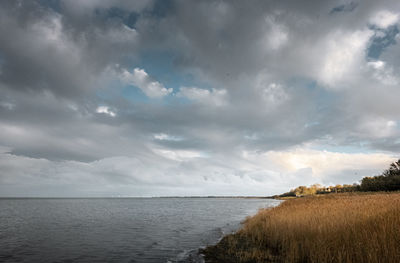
389	180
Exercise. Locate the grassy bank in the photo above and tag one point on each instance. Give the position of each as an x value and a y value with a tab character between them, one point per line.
330	228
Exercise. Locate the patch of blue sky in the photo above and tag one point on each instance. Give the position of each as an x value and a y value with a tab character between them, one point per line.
324	97
159	9
162	8
114	89
362	147
128	18
53	4
344	8
134	94
382	39
160	66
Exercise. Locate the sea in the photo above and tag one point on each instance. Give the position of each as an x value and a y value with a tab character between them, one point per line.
144	230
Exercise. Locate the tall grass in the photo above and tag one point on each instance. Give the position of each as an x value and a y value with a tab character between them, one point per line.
329	228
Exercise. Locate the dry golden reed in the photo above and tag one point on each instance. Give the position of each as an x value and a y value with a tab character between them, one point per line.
329	228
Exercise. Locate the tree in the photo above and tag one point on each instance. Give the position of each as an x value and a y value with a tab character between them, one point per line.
394	169
388	181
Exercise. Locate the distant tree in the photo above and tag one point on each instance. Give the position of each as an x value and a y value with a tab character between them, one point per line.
394	169
317	186
338	188
301	190
388	181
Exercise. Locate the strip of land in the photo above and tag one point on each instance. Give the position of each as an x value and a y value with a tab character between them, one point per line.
343	227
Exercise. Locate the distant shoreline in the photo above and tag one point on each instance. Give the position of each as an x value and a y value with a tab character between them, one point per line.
141	197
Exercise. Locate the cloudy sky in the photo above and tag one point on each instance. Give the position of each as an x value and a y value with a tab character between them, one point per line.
158	98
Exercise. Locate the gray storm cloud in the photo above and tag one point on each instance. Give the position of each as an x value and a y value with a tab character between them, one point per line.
283	93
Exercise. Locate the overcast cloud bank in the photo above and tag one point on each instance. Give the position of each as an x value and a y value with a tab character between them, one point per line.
154	98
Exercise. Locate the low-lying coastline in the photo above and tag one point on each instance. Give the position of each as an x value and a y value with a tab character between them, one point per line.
347	227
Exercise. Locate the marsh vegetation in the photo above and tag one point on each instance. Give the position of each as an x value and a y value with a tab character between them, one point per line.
347	227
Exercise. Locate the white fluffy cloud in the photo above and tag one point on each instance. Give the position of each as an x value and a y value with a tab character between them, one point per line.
166	137
384	19
105	110
342	55
140	79
276	34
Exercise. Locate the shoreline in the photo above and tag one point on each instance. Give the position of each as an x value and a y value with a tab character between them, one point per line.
307	230
200	251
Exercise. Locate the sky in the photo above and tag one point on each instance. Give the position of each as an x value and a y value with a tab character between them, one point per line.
189	98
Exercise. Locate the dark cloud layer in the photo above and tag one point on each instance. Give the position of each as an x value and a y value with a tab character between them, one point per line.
258	96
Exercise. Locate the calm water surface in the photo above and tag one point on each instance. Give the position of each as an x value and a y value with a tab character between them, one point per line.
117	230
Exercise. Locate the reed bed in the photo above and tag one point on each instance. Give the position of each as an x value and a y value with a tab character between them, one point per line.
330	228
